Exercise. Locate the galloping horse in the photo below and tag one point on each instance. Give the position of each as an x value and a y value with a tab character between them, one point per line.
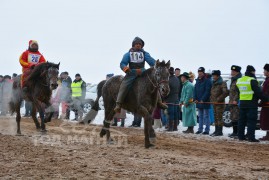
141	98
40	82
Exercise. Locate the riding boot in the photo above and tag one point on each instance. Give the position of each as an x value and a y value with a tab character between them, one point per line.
234	133
160	104
191	130
121	96
115	123
122	122
187	131
170	125
175	126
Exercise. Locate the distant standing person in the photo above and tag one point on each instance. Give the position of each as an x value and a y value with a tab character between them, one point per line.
264	118
202	94
171	99
189	118
65	95
234	99
78	95
250	93
219	92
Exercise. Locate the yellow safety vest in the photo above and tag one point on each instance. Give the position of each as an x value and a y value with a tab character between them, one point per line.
76	89
244	86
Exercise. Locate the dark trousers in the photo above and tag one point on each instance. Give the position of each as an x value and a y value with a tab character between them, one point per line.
137	120
28	108
248	117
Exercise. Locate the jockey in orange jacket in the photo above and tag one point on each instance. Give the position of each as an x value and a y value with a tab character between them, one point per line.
29	59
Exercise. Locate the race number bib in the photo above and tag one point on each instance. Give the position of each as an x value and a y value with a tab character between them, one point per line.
137	57
33	58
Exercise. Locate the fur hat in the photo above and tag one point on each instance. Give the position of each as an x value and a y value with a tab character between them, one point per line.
250	68
236	68
216	72
201	69
266	67
138	40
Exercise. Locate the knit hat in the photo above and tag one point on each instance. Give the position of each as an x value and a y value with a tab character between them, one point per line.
77	75
236	68
266	67
31	42
250	68
216	72
201	69
138	40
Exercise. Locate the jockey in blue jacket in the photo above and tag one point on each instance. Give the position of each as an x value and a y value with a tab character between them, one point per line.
133	64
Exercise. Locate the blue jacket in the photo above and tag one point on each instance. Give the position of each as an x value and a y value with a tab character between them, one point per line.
202	92
136	60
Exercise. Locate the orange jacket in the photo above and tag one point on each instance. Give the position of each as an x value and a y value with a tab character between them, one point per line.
28	58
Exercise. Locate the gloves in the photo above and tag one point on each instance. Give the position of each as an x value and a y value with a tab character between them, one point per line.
126	69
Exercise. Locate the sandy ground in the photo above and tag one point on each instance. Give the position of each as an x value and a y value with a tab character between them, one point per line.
72	151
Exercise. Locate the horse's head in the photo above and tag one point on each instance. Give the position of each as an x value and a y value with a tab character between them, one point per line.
162	77
53	72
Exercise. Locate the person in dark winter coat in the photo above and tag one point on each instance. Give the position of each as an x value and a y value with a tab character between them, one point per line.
202	94
177	74
264	118
218	93
173	111
234	99
65	96
250	93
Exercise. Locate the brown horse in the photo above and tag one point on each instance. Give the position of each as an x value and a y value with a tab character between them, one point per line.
41	81
141	98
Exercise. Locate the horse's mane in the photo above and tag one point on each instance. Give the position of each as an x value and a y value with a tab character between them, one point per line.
38	69
149	71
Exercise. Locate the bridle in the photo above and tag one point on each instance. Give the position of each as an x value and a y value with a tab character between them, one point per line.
48	76
157	84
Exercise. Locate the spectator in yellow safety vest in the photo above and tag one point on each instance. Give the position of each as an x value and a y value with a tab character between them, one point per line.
78	88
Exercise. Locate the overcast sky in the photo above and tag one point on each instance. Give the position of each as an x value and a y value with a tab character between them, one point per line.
90	37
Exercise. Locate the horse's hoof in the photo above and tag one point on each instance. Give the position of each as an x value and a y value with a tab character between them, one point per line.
149	146
19	134
110	141
43	131
152	140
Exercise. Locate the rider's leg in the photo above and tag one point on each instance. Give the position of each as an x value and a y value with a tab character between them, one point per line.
124	87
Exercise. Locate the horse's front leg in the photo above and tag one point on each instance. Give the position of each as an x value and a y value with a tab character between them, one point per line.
37	124
49	112
147	124
18	118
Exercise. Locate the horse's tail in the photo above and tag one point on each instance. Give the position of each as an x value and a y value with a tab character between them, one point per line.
95	106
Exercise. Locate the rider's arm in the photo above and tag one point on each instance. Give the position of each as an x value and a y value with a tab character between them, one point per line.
149	59
124	62
24	60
